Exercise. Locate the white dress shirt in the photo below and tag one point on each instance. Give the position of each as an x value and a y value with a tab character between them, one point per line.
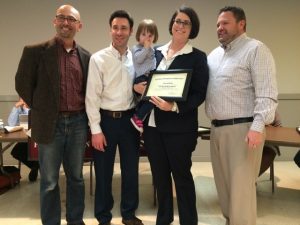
109	84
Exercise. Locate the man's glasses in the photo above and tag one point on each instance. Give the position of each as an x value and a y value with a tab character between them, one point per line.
62	18
184	23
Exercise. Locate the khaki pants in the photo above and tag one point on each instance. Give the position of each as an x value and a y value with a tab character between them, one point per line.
236	168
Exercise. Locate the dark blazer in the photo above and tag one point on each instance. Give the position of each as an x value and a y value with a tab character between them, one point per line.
37	81
187	118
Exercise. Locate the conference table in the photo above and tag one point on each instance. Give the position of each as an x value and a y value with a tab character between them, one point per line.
277	136
280	136
10	139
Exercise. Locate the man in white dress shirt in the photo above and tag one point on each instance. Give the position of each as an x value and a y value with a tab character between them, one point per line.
241	99
110	105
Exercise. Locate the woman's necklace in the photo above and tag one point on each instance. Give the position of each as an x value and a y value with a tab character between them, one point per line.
173	50
170	53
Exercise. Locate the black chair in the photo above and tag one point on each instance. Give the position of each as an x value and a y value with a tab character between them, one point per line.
88	158
297	159
267	161
143	153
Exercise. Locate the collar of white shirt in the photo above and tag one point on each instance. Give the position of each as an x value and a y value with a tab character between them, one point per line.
188	48
234	42
116	53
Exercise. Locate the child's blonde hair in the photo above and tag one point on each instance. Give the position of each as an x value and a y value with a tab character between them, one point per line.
149	26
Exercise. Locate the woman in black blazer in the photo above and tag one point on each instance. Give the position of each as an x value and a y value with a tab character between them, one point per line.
170	132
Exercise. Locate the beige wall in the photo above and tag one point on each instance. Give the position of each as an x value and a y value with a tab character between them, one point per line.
274	22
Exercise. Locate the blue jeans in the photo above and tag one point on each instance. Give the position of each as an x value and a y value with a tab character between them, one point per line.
118	133
67	148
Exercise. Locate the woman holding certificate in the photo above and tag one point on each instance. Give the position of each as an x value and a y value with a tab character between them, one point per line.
170	132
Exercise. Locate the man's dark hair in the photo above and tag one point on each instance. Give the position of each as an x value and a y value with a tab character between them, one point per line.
237	12
121	14
193	17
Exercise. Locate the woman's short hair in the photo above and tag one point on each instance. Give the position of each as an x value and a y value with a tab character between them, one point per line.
193	17
147	25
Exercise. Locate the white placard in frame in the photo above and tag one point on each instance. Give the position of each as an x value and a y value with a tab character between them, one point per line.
171	85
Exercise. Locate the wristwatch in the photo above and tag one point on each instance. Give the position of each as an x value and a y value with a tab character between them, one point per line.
174	107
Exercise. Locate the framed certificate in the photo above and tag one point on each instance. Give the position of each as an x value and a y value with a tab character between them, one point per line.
171	85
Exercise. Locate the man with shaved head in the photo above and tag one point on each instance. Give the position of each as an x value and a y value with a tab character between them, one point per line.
51	78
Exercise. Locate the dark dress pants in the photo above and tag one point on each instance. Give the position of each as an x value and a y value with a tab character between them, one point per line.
144	107
120	133
170	154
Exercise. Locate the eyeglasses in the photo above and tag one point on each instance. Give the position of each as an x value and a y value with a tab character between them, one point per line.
62	18
184	23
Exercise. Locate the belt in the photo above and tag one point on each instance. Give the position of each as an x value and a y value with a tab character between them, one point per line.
117	114
219	123
70	113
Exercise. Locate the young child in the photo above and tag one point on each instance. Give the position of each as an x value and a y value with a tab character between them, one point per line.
143	61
